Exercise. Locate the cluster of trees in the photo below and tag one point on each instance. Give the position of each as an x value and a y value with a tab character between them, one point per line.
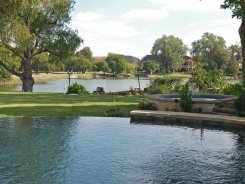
210	50
34	36
35	32
169	51
81	62
207	55
30	28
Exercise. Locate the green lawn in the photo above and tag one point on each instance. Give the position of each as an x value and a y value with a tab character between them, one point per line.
58	104
180	75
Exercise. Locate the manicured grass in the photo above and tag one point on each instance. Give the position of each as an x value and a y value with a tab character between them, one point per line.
180	75
58	104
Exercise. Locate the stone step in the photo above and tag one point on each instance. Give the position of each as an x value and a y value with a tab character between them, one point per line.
229	105
224	110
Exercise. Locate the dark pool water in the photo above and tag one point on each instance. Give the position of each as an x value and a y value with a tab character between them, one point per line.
111	151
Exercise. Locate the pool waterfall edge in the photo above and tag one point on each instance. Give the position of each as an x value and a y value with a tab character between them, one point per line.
187	119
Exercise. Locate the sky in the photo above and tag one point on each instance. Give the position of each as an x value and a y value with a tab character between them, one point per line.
130	27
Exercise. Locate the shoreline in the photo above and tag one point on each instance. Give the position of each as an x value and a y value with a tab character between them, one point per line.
43	77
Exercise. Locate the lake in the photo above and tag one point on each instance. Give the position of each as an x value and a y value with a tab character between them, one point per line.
100	150
57	86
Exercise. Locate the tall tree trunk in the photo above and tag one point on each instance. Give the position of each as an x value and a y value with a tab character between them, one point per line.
242	37
26	77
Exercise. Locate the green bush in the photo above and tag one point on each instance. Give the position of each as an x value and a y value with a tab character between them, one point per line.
166	85
233	89
185	99
113	112
146	105
76	89
208	80
240	102
239	91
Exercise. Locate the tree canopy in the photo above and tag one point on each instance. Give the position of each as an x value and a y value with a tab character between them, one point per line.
231	67
29	28
169	52
86	52
102	66
237	7
116	63
151	66
211	50
238	10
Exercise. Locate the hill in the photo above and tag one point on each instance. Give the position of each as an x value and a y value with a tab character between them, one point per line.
129	59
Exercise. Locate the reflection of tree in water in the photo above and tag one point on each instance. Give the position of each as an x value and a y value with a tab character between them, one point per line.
238	159
192	165
35	148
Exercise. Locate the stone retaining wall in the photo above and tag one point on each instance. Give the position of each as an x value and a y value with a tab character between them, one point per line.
181	118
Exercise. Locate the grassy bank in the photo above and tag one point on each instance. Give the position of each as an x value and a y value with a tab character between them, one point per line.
43	77
58	104
177	75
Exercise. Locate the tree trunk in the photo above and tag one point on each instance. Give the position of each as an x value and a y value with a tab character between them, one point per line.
242	37
26	77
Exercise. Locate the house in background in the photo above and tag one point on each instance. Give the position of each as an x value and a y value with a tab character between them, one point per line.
188	64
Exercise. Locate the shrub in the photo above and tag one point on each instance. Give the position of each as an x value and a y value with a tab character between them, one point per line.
113	112
208	79
233	89
76	88
132	91
146	105
239	91
185	99
165	85
240	102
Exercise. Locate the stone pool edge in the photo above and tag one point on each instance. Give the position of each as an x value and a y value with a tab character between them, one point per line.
185	119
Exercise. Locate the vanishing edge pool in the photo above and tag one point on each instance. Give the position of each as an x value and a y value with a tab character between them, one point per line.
92	150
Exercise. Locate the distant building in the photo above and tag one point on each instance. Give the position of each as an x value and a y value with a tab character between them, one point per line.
147	58
99	58
188	64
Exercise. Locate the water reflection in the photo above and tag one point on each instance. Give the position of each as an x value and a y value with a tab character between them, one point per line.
60	86
34	148
111	150
238	159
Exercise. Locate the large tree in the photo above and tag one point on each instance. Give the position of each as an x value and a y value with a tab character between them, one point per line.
102	66
211	50
78	63
86	52
151	66
238	10
231	67
41	63
31	27
169	52
116	62
7	56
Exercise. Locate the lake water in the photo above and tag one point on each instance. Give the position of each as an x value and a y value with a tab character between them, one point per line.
109	85
91	150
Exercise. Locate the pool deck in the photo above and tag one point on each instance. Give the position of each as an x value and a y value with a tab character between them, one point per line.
185	118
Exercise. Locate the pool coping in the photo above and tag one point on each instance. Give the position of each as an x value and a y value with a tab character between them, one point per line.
185	118
163	97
